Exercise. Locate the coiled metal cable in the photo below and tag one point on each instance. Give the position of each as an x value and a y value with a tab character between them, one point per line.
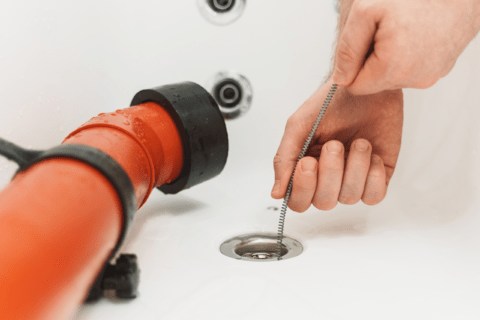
281	223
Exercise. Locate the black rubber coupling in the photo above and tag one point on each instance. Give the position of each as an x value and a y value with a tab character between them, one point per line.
124	279
202	129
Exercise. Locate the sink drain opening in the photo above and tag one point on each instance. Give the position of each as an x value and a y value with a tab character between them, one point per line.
260	247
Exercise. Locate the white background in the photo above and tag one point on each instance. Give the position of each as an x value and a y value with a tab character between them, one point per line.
414	256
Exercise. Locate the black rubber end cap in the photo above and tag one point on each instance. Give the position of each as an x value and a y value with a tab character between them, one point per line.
201	126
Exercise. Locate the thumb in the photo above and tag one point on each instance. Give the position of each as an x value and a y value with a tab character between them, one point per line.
354	44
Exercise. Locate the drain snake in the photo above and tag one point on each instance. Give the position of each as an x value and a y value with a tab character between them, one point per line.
281	223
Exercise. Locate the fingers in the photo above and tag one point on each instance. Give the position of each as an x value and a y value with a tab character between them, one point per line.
354	43
304	184
356	171
330	175
329	181
375	186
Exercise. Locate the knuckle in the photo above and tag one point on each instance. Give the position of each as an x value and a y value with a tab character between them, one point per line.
345	53
277	160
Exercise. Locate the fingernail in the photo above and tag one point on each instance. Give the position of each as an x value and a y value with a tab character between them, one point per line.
334	148
276	187
309	166
361	145
339	77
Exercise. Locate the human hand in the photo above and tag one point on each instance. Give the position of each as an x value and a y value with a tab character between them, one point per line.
334	170
393	44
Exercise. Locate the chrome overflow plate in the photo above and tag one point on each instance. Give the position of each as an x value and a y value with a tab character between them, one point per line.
221	12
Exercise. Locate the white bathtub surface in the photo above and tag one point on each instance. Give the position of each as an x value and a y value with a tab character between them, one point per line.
414	256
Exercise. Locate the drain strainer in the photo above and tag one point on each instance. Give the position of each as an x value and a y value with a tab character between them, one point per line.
260	247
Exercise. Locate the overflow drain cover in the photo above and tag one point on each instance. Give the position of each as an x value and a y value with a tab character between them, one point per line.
260	247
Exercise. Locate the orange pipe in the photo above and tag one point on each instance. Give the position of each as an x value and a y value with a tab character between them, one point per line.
60	219
135	143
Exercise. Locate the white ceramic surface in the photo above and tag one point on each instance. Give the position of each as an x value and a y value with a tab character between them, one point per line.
414	256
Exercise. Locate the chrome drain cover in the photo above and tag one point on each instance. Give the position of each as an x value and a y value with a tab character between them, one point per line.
260	247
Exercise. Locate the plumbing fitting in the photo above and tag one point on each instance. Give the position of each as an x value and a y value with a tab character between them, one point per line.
221	12
221	5
233	93
67	209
